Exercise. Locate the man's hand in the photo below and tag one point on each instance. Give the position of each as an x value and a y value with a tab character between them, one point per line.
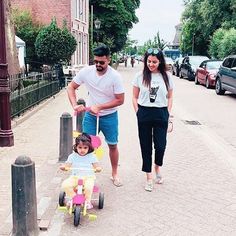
79	108
95	109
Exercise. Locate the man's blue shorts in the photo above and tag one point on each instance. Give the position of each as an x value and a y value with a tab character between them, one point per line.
108	125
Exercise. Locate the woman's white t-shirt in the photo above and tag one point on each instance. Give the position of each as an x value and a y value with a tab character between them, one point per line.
157	90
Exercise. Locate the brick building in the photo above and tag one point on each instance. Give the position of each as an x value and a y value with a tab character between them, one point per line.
75	12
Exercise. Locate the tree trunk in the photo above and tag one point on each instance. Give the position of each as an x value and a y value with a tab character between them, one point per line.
11	50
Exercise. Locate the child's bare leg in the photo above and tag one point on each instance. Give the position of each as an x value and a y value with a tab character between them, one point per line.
68	186
88	191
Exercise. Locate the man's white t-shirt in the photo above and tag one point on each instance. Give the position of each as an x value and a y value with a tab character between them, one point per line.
157	82
102	89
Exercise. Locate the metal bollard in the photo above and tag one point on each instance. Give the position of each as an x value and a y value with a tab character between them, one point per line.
66	139
24	202
80	116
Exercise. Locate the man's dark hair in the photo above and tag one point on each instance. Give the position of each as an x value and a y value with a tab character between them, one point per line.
101	50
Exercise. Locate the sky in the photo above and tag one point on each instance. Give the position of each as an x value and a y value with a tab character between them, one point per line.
154	16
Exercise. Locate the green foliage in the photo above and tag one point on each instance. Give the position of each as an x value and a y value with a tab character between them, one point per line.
157	42
116	17
27	30
27	83
228	46
215	44
202	18
223	43
54	45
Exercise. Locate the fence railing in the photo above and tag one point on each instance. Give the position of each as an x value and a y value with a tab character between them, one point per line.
31	90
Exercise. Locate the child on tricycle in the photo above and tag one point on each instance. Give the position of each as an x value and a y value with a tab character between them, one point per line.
83	164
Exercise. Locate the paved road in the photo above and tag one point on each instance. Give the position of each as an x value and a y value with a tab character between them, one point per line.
198	196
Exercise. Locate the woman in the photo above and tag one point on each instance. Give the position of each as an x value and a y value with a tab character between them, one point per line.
152	101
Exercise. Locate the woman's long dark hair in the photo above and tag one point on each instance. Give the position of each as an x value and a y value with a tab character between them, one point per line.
162	68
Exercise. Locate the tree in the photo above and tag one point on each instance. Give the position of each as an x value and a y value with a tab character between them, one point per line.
158	42
116	17
54	45
215	43
27	30
11	51
201	18
223	43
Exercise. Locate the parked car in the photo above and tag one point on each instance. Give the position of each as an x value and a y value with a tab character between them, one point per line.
169	63
206	72
189	65
226	76
176	65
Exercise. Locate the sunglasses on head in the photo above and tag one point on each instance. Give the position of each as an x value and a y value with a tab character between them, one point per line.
99	62
152	51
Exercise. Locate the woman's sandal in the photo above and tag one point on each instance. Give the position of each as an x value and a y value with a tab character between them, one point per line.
159	179
149	186
116	181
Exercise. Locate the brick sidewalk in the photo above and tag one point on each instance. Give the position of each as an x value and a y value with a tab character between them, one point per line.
197	198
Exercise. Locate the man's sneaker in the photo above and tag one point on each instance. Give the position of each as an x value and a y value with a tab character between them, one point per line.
159	179
149	185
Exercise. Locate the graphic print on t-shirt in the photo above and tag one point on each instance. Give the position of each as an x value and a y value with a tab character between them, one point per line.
153	93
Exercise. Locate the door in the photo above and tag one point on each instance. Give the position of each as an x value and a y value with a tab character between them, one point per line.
232	77
201	73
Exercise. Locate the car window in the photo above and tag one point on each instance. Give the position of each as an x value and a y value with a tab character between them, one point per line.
234	63
228	62
213	65
197	60
186	60
203	64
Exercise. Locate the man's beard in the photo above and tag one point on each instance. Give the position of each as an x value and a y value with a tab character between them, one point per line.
99	68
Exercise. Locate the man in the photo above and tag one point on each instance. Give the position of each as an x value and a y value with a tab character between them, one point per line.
106	93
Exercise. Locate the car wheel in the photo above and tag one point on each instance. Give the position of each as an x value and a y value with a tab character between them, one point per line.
177	72
189	76
218	88
196	80
207	83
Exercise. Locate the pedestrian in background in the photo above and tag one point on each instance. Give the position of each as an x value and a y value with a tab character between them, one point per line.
105	94
132	61
152	102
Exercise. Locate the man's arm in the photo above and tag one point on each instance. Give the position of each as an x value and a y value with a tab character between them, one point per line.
72	96
119	100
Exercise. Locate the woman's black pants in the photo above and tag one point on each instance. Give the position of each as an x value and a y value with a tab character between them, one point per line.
152	128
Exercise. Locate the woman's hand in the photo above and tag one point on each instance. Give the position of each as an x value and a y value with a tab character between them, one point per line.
63	167
98	169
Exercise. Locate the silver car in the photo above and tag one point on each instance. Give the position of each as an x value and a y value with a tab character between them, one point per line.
226	76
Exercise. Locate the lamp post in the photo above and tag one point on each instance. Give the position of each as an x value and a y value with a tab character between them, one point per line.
6	135
97	24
